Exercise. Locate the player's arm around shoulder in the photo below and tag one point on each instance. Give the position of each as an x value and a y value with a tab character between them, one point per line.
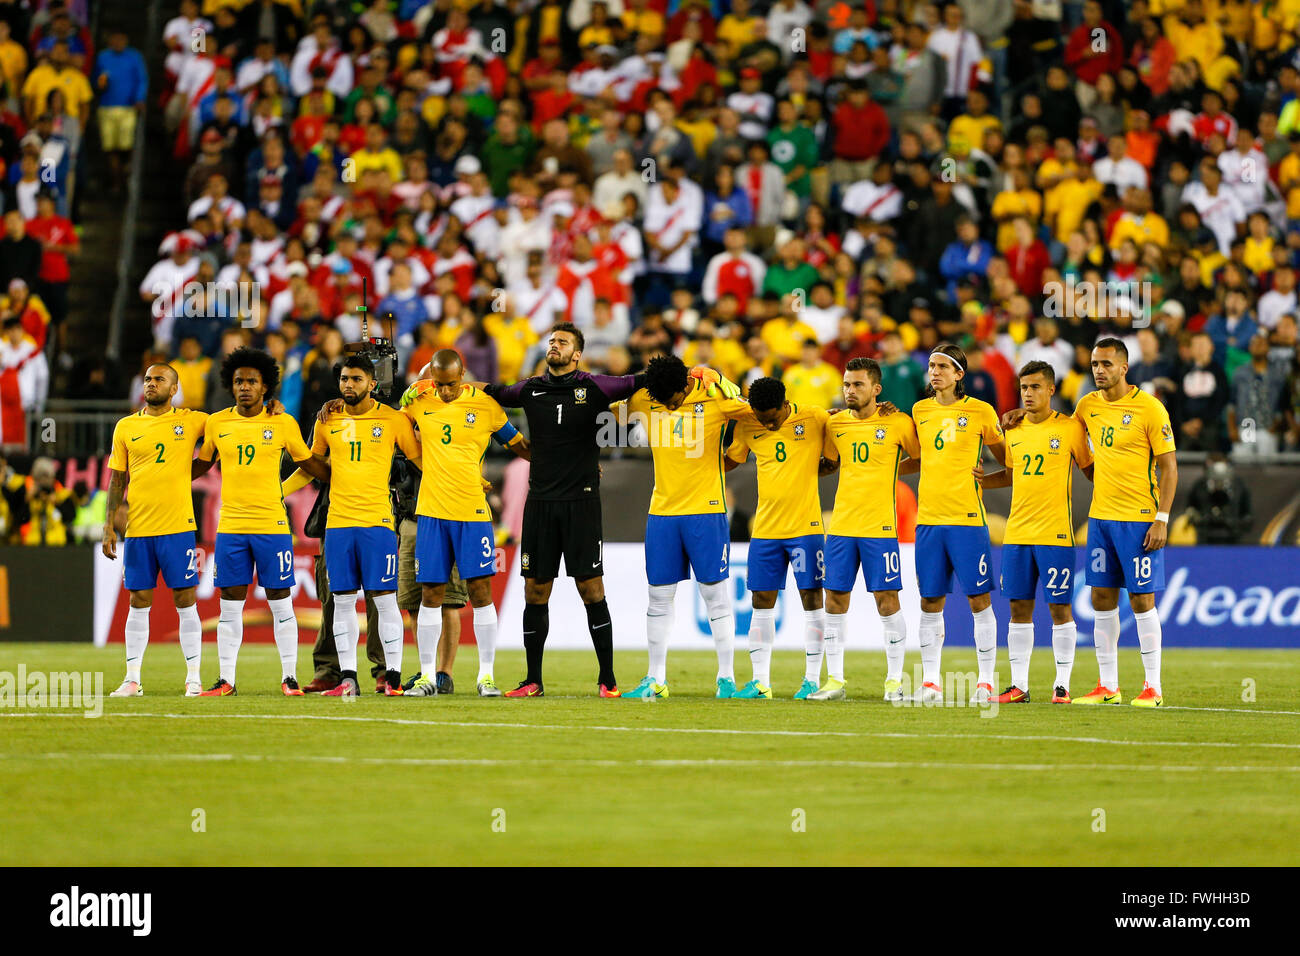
406	438
315	465
738	450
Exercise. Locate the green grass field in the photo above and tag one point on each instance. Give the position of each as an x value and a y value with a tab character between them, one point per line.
572	779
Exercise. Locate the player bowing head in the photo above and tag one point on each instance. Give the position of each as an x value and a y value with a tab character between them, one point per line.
356	380
251	376
447	371
767	399
667	380
564	348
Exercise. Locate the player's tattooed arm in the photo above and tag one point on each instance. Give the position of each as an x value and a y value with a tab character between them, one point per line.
116	491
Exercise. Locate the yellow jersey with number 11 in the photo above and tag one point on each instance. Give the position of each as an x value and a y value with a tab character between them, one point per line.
360	449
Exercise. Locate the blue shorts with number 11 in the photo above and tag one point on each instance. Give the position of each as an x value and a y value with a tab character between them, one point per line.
361	558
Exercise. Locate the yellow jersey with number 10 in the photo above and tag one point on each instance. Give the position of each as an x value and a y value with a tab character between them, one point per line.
156	452
788	458
249	448
454	436
1127	435
360	449
1041	457
952	439
869	450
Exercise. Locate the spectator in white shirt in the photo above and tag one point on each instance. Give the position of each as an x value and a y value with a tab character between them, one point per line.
1124	172
1245	171
1279	300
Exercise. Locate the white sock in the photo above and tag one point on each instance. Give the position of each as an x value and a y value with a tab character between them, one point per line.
895	626
428	631
722	622
658	628
137	639
191	636
930	635
762	635
835	626
1105	634
1148	623
346	630
230	634
286	635
1020	645
1064	637
986	644
814	643
390	630
485	636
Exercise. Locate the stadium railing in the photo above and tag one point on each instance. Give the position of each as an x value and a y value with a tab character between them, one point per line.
75	429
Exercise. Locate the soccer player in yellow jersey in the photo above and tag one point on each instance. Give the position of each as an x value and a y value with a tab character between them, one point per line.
952	534
686	528
454	525
1128	523
1038	546
360	536
254	529
152	454
866	444
787	441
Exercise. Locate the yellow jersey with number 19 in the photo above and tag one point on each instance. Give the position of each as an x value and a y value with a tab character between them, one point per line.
360	448
249	448
869	450
1127	435
788	503
156	452
454	436
952	439
1041	457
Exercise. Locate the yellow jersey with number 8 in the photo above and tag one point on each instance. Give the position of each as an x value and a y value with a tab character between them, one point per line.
952	439
788	502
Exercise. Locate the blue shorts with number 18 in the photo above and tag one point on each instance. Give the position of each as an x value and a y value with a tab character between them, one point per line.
237	554
877	556
676	545
944	550
357	558
769	558
1116	558
440	542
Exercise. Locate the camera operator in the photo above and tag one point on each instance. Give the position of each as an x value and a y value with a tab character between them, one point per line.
1219	504
51	508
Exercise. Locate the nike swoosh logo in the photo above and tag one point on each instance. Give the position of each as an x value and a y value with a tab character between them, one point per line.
285	621
1093	414
985	581
137	438
224	435
337	430
839	434
894	578
535	394
923	421
428	413
384	580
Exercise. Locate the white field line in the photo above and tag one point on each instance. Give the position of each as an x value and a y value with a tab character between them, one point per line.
730	732
582	761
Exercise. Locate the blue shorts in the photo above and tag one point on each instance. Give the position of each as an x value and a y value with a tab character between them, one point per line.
878	558
439	543
944	549
237	553
676	545
357	558
175	555
1024	565
769	558
1116	558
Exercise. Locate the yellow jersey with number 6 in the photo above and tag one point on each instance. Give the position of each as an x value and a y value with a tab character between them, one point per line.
249	449
869	450
360	449
156	452
788	502
952	439
1126	435
1041	457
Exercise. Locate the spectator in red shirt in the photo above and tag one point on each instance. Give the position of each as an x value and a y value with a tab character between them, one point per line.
846	346
1027	259
861	132
58	239
1089	55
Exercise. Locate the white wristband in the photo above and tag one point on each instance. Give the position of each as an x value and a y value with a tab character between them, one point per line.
1162	516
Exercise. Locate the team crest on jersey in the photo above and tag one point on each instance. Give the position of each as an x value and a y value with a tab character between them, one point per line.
523	560
962	422
699	408
377	431
179	430
470	418
1166	432
880	434
580	395
267	434
1127	419
1055	443
798	431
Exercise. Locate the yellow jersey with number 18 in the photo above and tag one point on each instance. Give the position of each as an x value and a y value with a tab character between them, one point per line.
249	449
952	439
156	452
1127	435
360	449
1041	457
454	436
788	503
869	450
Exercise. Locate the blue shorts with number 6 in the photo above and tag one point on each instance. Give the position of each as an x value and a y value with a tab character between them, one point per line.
237	554
361	558
470	545
942	550
769	558
676	545
1116	558
175	555
877	556
1024	565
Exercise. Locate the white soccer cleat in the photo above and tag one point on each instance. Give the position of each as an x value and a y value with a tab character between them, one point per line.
983	694
930	693
129	688
193	688
893	690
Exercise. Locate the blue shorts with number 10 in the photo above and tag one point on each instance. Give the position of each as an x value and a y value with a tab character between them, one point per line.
361	558
1116	558
237	554
878	558
1025	565
769	558
439	542
942	550
676	545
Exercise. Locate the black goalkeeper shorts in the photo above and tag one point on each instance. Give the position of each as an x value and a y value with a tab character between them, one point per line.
555	529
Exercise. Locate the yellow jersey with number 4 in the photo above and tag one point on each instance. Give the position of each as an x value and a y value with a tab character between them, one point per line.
454	436
1041	457
788	503
952	439
869	450
249	449
156	452
686	447
360	449
1126	435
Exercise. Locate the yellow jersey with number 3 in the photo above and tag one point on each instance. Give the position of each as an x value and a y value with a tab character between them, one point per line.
952	439
1041	457
454	436
869	450
788	503
686	447
156	452
360	449
1126	437
249	449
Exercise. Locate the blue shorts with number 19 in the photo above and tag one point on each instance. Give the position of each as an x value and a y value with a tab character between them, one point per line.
676	545
357	558
769	558
942	550
877	556
439	543
237	553
172	554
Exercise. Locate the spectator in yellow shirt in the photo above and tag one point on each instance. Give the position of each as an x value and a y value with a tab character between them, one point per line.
785	334
740	27
1258	255
514	336
192	368
814	381
1011	204
1139	223
377	155
638	18
13	62
1069	200
1192	36
57	73
971	126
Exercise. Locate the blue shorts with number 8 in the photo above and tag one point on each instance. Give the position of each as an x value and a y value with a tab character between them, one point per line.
1116	558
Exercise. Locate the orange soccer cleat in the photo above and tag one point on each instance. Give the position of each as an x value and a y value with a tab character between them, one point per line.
219	689
1012	695
1101	695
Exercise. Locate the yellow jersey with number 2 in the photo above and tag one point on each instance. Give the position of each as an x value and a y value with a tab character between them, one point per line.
156	452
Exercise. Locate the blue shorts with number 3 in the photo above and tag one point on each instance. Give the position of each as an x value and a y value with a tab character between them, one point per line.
237	554
770	557
1116	558
440	542
175	555
676	545
944	550
1025	565
878	558
357	558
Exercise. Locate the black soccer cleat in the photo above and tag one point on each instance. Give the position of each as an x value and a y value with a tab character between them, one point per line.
445	684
